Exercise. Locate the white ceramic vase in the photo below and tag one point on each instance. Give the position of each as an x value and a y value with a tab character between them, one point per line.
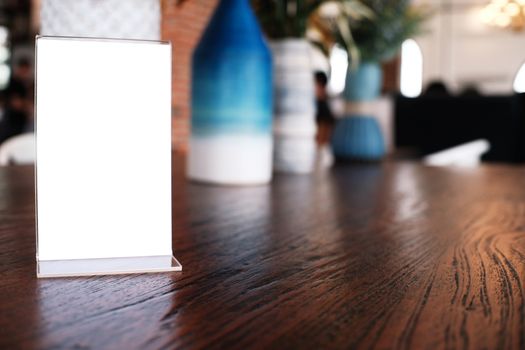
294	106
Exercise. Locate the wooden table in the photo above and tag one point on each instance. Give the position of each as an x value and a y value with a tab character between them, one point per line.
395	255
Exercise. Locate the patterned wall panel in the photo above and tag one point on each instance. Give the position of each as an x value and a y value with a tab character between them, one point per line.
130	19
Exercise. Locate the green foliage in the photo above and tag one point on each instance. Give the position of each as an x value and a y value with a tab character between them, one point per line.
285	18
379	38
328	29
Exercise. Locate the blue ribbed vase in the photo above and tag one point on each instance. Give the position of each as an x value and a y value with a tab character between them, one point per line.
359	137
231	124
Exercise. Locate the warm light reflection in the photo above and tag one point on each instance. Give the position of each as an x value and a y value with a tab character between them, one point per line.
408	195
505	14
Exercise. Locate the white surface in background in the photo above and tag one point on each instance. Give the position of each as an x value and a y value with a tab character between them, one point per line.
5	54
339	65
411	77
467	154
459	49
18	149
519	81
122	19
103	149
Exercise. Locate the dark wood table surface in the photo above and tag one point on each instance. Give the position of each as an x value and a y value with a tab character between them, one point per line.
392	256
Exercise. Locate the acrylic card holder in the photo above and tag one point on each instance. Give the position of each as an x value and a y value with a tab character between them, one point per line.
103	169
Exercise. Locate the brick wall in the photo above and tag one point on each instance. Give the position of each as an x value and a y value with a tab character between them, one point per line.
183	26
391	74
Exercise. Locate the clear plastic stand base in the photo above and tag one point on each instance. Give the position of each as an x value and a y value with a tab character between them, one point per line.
111	266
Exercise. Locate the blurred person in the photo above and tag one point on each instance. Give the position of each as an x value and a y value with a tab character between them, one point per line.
436	89
17	101
470	90
324	117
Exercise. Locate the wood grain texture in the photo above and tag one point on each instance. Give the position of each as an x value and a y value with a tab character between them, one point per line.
390	256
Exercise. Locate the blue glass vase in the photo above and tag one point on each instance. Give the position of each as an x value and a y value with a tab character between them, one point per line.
231	124
357	136
363	83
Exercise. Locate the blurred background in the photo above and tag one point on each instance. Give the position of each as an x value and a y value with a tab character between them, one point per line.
459	80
